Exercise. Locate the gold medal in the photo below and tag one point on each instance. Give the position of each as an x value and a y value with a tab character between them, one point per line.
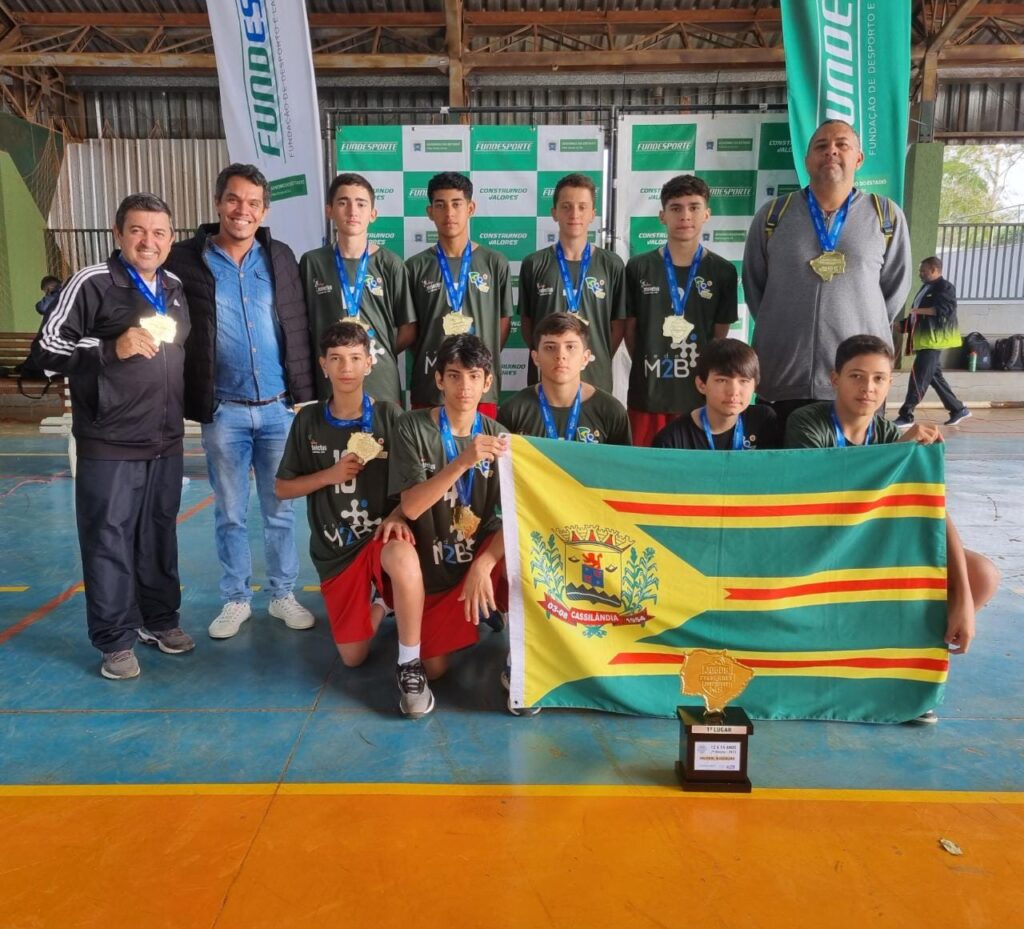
356	320
456	324
161	328
676	328
364	446
828	264
465	521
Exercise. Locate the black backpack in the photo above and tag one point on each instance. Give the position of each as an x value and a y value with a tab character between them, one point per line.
977	343
1008	353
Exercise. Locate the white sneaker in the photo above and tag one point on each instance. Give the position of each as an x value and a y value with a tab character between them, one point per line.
293	613
229	620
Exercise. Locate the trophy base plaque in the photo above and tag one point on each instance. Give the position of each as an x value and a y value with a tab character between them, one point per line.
713	749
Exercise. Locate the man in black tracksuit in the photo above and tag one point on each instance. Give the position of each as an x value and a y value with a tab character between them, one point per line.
118	333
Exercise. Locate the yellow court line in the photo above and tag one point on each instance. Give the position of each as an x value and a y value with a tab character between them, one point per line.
14	589
623	791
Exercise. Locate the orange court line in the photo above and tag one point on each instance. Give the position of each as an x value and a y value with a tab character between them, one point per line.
22	624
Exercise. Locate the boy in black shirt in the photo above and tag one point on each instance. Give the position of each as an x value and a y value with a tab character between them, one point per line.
337	456
726	375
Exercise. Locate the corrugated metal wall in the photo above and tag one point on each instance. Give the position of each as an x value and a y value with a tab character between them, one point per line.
96	175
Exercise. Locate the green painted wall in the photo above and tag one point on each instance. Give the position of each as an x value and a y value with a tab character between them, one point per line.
22	251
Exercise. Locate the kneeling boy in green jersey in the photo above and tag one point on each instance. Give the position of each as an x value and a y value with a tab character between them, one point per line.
444	470
861	380
337	456
561	406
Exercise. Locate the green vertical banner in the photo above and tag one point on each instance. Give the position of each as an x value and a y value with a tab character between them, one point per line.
850	60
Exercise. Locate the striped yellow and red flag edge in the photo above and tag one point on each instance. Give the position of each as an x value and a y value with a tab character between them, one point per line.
840	508
911	664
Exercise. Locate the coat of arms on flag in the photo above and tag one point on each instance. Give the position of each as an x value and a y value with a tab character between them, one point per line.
593	577
822	570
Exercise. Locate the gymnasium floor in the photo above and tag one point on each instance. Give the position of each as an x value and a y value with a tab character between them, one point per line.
256	783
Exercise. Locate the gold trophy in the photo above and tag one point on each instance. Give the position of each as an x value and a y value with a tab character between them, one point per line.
713	740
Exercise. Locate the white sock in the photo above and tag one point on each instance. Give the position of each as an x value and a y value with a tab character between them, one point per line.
407	653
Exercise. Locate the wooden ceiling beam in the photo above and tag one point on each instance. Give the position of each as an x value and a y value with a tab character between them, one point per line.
650	59
88	61
200	20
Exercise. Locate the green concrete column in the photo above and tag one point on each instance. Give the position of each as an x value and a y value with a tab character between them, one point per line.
922	193
22	251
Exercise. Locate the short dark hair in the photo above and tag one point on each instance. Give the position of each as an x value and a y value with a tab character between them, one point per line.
858	345
147	203
449	180
468	351
350	180
49	280
684	185
730	357
575	180
559	324
933	262
249	172
344	332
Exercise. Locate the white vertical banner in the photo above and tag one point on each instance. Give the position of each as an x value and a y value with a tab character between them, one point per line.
269	106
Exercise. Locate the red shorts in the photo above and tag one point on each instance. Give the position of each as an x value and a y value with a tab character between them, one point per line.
646	426
487	409
445	628
347	595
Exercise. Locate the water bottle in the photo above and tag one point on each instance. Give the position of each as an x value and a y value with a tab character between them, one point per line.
972	361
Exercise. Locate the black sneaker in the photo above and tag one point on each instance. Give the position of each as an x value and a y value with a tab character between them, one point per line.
959	416
417	700
903	422
495	620
506	683
927	718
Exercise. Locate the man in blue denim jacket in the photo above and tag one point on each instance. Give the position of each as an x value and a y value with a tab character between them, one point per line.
247	362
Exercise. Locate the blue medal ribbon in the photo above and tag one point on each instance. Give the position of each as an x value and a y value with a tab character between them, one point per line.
353	294
157	300
738	434
464	485
363	424
456	294
827	238
549	420
679	301
573	295
841	438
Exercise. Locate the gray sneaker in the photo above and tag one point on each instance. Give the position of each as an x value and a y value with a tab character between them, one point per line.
417	700
120	666
170	641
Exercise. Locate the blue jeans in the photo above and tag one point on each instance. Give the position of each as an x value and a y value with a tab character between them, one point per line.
239	438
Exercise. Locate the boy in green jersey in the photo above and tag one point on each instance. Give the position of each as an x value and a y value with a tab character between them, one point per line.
458	287
337	456
444	472
576	277
561	406
861	379
361	281
678	298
